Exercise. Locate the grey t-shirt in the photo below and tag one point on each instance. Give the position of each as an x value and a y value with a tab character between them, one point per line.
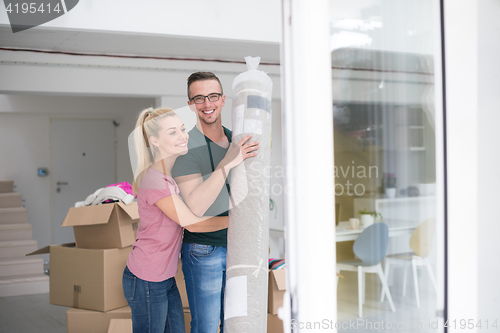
203	157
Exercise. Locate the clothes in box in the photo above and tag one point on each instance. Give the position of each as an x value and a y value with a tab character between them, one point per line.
106	226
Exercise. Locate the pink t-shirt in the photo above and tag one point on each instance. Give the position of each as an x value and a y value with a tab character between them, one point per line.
155	254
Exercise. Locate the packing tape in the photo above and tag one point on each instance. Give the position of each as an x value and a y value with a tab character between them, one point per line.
258	102
257	268
77	290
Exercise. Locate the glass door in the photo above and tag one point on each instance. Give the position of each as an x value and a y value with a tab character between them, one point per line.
385	68
364	159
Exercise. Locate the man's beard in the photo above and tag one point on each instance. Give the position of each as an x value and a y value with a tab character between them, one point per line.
208	123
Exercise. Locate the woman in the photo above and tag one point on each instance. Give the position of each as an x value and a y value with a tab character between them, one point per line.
148	279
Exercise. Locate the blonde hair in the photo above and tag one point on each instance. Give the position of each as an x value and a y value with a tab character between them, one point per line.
147	125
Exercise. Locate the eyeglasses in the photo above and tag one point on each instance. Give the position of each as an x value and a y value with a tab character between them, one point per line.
200	99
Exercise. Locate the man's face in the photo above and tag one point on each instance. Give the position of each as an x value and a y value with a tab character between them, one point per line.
208	112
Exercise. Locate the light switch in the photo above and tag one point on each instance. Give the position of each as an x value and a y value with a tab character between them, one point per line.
43	172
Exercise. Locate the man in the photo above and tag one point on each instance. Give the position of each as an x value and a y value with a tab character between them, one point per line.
203	179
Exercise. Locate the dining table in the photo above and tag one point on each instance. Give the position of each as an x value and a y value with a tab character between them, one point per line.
343	231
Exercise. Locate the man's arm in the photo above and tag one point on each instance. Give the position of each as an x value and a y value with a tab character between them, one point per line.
199	195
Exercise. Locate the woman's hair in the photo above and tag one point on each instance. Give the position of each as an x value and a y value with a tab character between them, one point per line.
147	125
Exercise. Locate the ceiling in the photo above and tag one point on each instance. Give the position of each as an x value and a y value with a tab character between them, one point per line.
138	45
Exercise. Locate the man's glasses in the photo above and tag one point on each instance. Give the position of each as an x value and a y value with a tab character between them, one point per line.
200	99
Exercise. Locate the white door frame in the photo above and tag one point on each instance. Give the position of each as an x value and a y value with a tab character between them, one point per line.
308	159
462	113
309	209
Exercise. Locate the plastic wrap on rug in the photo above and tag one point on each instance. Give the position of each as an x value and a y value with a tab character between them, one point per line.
245	307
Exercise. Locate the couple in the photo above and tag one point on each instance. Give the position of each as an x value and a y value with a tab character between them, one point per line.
167	171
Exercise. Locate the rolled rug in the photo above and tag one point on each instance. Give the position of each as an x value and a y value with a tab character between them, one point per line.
245	302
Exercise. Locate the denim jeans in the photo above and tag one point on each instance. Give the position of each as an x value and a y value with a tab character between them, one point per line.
204	268
156	306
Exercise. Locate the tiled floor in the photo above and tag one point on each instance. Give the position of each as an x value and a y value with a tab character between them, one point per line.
31	314
34	313
407	316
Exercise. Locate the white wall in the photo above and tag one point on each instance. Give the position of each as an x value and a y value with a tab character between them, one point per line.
101	76
488	158
25	144
242	20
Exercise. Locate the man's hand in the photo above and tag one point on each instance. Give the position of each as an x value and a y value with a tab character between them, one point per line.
198	194
240	152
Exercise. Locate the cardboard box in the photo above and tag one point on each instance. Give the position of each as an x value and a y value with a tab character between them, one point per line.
274	324
181	285
85	321
277	287
187	319
120	326
86	278
106	226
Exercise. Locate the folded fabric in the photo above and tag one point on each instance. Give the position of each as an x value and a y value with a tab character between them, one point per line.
276	264
124	186
104	194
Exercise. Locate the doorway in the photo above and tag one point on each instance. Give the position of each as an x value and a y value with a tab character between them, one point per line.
83	160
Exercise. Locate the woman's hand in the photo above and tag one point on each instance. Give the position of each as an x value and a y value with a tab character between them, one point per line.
240	152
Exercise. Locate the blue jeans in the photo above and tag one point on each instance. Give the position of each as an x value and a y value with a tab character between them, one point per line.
204	268
156	306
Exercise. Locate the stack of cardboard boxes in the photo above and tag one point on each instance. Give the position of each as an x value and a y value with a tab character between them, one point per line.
277	288
179	279
120	326
87	275
276	291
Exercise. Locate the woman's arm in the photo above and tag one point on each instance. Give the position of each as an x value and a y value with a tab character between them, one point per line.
177	211
215	223
200	194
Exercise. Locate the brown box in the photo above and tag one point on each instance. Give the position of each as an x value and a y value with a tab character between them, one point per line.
106	226
120	326
274	324
6	186
181	285
85	321
187	319
277	287
125	326
86	278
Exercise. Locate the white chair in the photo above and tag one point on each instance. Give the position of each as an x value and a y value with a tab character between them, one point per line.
421	242
370	248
